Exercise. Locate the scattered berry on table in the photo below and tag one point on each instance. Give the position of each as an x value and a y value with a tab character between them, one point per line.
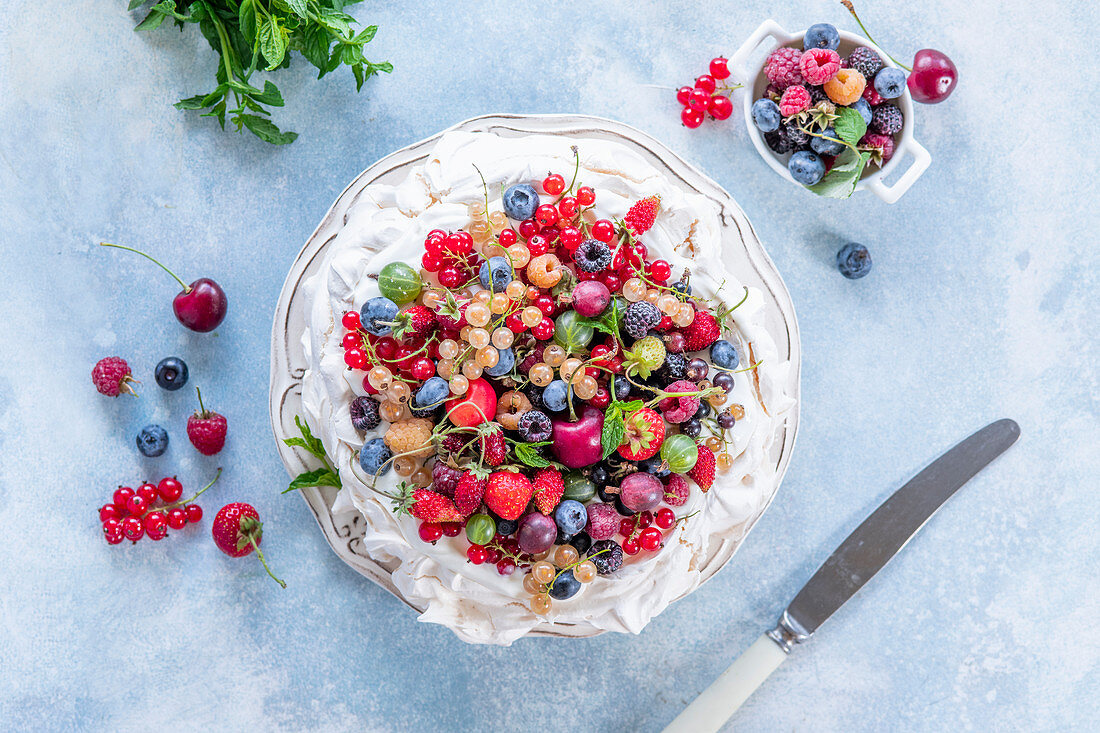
853	260
111	376
806	167
171	373
237	531
821	35
206	429
887	119
782	67
152	441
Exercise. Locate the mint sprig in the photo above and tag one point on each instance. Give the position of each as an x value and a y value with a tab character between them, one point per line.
614	424
325	476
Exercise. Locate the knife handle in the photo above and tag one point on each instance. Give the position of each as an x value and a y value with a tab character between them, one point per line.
708	712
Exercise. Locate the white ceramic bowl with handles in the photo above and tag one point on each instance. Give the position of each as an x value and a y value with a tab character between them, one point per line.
771	36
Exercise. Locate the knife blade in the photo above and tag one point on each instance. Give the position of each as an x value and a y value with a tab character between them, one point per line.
865	551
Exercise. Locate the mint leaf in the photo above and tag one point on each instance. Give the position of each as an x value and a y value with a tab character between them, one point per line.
320	477
614	429
527	454
840	182
270	95
196	102
307	441
300	8
266	130
272	43
849	125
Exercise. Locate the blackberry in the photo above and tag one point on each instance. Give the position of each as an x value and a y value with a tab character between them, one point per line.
364	413
865	61
778	141
886	119
534	426
581	541
592	256
674	368
640	317
797	137
817	94
609	561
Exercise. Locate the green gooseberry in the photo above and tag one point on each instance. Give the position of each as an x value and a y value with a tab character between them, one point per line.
399	282
480	529
571	332
680	453
578	487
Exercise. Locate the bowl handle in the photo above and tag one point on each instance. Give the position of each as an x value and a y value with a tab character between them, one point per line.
921	160
769	28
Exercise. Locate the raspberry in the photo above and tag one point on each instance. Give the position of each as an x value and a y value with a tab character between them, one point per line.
865	61
548	488
603	521
544	271
642	214
887	119
795	99
678	409
111	376
702	332
881	147
468	493
592	256
819	65
781	68
364	413
414	434
846	87
206	430
703	471
872	96
445	478
640	317
676	490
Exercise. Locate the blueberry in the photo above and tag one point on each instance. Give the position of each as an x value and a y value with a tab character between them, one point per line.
495	274
571	516
806	168
581	542
724	354
829	144
507	527
171	373
565	586
505	364
890	82
853	260
555	397
432	392
520	202
377	314
821	35
374	457
622	387
765	115
862	106
152	441
535	426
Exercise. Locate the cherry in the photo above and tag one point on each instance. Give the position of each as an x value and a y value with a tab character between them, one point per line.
933	77
719	69
691	118
586	196
194	512
720	107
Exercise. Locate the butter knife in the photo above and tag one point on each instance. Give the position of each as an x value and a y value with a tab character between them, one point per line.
859	557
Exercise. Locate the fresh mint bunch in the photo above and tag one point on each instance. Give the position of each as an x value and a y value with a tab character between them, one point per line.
254	35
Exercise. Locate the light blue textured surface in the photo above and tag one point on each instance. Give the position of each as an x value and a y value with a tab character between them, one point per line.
982	304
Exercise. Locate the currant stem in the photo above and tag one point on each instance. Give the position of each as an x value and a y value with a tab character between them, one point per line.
185	286
260	554
184	502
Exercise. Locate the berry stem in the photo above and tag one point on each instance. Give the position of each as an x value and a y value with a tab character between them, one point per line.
852	9
185	286
183	502
260	554
579	560
202	410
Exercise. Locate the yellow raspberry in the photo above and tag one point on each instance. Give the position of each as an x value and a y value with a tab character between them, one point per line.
544	271
410	435
846	87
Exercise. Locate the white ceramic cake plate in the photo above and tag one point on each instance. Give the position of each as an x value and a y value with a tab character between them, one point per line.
743	252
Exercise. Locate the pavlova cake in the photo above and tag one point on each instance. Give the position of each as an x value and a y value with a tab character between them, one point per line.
539	384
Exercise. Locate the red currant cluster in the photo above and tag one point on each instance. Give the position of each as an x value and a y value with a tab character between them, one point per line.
504	552
638	534
132	514
707	96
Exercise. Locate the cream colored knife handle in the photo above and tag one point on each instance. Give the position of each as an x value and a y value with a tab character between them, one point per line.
708	712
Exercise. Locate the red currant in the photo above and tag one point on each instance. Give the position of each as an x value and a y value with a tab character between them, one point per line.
430	532
476	554
112	531
571	238
719	69
177	518
355	358
546	215
528	228
645	519
510	545
148	492
494	555
452	529
720	107
450	277
156	535
586	196
507	566
121	496
611	280
641	251
515	323
665	324
423	368
543	330
155	521
132	528
697	102
568	207
553	184
626	526
665	517
351	321
551	233
691	118
603	230
507	237
194	512
430	262
137	505
683	94
660	271
706	83
630	547
650	538
538	245
545	303
601	399
351	340
109	511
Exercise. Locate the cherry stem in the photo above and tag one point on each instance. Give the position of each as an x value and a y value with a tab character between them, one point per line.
184	502
185	286
260	554
852	9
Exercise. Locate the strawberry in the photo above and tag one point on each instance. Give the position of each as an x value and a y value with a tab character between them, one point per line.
702	332
645	431
548	488
206	429
237	532
703	471
642	214
433	507
645	356
468	492
507	493
492	444
415	321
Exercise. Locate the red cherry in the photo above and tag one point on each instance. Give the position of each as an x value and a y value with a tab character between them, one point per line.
586	196
706	83
719	68
683	94
665	517
698	100
430	532
933	78
200	306
476	554
650	538
507	237
194	512
720	107
691	118
553	184
603	230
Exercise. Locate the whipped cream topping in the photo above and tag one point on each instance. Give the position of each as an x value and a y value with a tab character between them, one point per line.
388	223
